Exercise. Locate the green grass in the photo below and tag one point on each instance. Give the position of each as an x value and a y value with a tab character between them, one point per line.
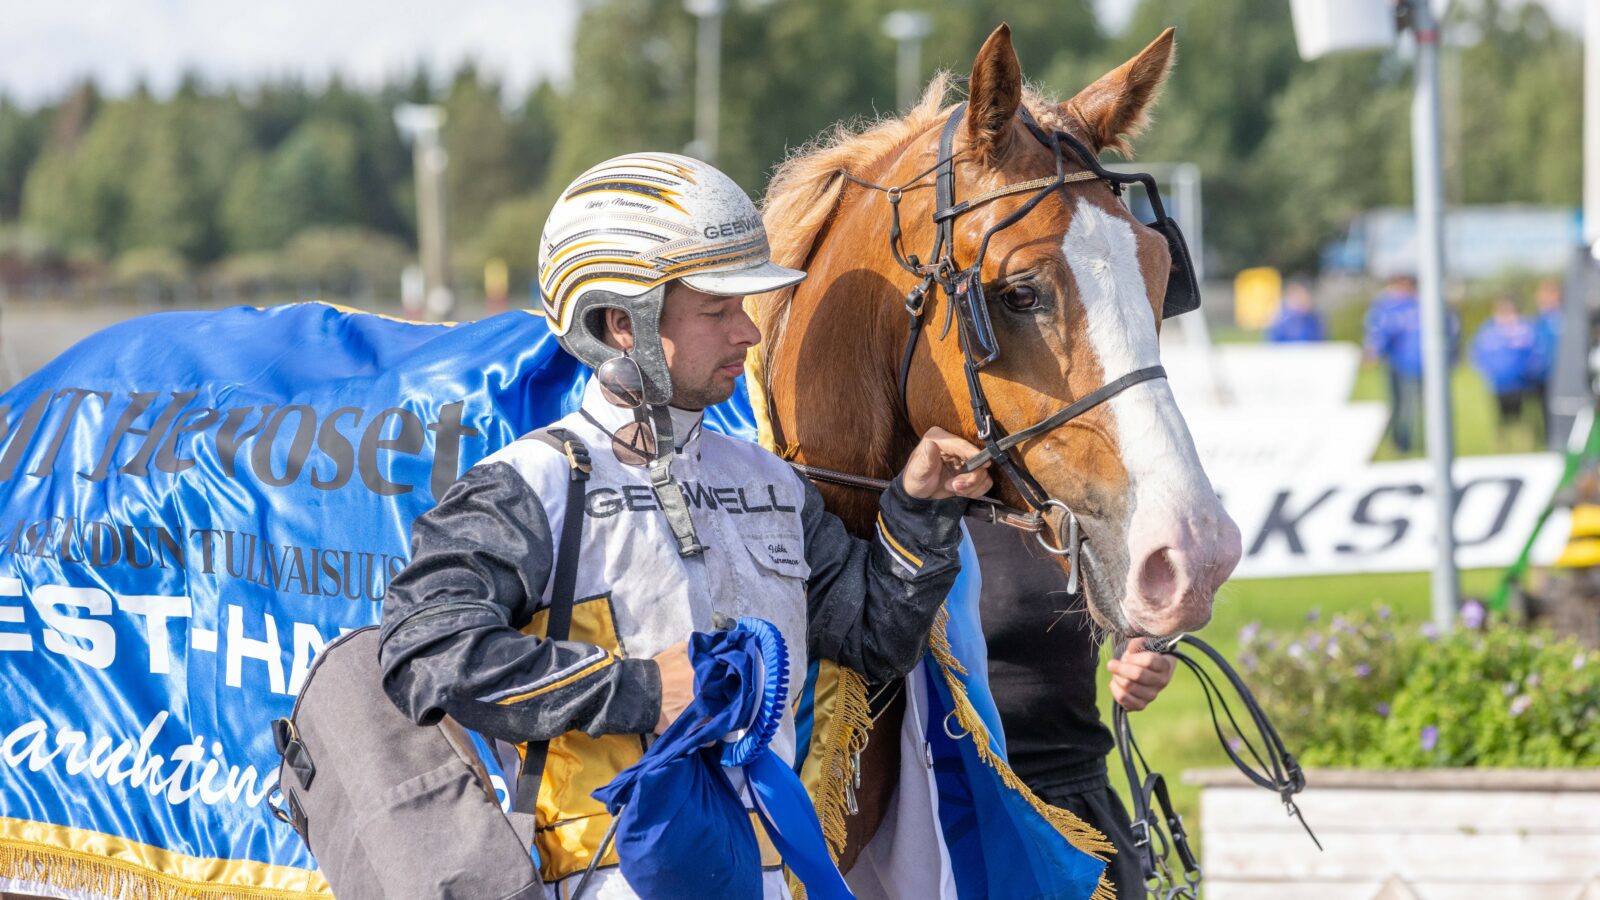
1175	732
1477	431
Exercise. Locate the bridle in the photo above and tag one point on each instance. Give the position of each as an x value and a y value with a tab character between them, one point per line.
1158	830
968	307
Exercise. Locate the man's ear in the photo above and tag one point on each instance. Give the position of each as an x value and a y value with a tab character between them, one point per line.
619	329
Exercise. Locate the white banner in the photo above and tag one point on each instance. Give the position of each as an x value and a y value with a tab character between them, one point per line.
1281	376
1380	518
1239	445
1255	409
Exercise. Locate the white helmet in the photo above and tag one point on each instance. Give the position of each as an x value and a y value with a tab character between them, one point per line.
628	226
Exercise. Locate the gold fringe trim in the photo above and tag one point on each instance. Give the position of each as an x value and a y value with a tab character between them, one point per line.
847	737
755	384
852	717
1080	834
72	870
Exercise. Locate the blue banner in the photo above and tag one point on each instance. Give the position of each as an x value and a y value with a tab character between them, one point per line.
192	505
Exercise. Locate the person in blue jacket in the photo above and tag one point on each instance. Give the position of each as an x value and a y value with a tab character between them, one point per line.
1503	352
1298	320
1394	338
1547	338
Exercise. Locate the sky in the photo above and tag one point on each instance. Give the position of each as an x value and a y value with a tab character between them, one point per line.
46	46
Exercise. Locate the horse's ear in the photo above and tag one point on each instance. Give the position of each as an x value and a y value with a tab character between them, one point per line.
1117	106
995	92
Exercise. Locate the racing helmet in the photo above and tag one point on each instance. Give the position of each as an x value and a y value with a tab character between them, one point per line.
626	228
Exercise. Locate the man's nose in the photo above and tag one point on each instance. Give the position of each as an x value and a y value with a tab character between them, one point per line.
745	332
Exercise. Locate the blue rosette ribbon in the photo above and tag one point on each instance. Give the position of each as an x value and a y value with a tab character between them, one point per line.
682	832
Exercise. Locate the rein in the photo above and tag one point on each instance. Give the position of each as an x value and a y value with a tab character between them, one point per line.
1274	769
987	509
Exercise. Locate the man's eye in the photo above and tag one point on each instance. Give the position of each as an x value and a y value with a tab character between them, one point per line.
1019	297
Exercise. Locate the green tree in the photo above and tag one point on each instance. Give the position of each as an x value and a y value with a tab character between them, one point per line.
633	76
77	193
482	148
1514	129
1233	59
309	179
22	134
187	151
144	174
534	133
1339	144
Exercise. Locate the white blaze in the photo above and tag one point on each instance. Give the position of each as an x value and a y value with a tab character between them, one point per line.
1169	494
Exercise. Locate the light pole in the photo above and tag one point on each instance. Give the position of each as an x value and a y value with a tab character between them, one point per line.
420	124
1591	128
907	28
708	76
1428	187
1331	26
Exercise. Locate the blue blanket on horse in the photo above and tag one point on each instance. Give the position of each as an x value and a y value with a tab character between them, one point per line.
192	504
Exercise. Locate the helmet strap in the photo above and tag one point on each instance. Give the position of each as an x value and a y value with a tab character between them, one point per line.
669	494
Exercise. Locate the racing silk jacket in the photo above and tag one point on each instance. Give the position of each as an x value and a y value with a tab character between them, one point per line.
462	623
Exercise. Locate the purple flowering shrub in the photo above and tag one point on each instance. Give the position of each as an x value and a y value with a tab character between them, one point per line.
1359	691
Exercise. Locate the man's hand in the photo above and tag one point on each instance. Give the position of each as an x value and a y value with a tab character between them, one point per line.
934	470
677	683
1139	675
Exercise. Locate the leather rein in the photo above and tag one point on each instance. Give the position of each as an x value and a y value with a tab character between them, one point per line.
1158	830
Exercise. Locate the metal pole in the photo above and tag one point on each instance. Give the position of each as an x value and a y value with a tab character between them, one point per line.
421	125
908	67
907	28
1196	330
1428	186
708	76
430	164
1591	126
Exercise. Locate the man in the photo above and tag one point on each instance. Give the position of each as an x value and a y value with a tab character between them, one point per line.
644	262
1503	352
1298	320
1043	651
1547	343
1394	338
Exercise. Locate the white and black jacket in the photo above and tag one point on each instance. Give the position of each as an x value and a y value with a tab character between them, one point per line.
452	638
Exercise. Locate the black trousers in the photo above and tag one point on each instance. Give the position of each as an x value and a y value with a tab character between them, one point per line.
1099	805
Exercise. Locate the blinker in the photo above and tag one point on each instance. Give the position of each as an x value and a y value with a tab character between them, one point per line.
977	331
1183	289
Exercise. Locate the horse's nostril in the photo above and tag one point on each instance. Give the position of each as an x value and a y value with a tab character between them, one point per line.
1158	578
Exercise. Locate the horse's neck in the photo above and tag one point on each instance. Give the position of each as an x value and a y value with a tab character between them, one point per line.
833	379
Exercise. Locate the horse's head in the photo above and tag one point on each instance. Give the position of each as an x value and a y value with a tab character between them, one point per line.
1074	295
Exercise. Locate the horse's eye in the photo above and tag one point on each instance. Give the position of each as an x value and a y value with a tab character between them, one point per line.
1020	297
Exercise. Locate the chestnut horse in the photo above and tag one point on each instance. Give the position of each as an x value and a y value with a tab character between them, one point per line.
1073	293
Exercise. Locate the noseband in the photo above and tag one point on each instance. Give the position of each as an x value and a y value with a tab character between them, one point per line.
968	308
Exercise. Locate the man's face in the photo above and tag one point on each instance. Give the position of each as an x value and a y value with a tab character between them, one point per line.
705	337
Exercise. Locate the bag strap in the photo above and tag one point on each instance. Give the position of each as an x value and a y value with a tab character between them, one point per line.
562	588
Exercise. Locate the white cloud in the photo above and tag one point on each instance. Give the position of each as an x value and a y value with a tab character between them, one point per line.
44	47
1116	13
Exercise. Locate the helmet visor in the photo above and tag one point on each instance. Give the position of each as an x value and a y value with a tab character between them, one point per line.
760	278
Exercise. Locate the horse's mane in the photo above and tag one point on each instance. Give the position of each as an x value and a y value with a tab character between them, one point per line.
807	187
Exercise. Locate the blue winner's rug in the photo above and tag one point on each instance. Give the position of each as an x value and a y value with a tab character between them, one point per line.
192	504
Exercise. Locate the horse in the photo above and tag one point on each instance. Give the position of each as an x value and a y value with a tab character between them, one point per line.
1056	344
